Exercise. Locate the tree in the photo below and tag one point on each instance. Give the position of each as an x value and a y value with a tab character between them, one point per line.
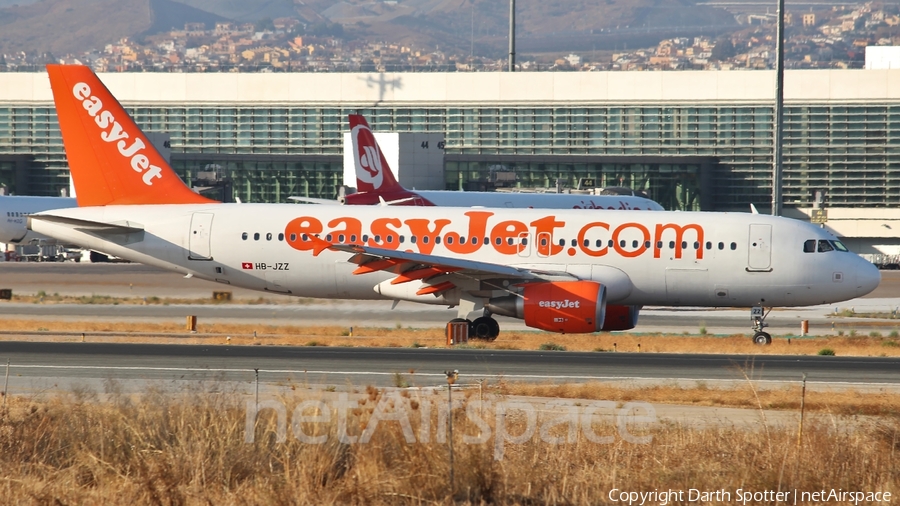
723	50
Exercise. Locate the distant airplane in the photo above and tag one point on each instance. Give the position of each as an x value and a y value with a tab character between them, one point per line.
559	270
14	211
376	184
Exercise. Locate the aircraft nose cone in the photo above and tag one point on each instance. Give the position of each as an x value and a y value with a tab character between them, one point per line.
867	277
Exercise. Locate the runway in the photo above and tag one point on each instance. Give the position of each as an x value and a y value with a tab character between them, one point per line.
134	280
37	367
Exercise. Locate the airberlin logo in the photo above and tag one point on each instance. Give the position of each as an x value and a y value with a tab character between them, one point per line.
560	304
112	132
369	168
476	231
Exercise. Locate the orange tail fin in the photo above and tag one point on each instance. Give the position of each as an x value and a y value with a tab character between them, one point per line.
111	160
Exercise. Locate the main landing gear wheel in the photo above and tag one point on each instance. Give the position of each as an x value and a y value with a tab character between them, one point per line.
762	338
484	327
758	317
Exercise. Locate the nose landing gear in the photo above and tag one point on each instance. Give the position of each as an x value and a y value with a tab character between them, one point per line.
758	317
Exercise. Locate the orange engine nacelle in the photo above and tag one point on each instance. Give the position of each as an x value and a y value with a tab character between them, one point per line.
621	317
569	307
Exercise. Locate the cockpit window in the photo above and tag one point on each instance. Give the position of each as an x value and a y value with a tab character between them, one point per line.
825	246
838	245
809	246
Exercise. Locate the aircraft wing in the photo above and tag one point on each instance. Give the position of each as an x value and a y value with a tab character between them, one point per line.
311	200
436	272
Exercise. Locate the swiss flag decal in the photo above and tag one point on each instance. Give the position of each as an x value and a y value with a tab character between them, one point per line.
246	265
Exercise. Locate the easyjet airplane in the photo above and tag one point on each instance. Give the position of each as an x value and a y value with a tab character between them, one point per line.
14	210
559	270
376	184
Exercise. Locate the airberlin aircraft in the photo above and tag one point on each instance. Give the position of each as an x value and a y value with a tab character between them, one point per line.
559	270
376	184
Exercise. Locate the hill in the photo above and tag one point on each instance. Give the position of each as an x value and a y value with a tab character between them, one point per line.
74	26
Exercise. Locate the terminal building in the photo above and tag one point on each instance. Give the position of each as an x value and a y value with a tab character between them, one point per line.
693	140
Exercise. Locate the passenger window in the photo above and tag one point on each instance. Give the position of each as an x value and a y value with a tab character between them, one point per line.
696	245
437	240
587	243
498	241
412	239
390	238
721	245
377	239
280	237
634	244
809	246
327	237
365	238
683	244
647	244
509	241
244	236
402	239
611	243
671	244
825	246
574	242
562	242
475	240
256	236
424	239
733	246
543	241
353	238
462	239
658	244
708	245
341	238
524	241
448	239
622	243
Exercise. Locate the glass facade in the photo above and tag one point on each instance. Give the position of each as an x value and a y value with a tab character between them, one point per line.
850	150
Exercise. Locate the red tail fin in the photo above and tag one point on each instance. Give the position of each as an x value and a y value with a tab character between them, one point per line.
111	160
372	171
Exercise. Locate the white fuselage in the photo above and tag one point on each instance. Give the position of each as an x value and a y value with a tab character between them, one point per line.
659	258
519	200
14	211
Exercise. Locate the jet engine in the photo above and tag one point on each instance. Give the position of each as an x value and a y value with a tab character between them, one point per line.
568	307
620	317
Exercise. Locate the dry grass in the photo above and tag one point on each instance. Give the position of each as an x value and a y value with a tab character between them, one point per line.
782	397
190	449
42	297
298	335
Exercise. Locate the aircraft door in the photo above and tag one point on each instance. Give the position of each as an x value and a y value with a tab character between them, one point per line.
199	236
760	248
543	244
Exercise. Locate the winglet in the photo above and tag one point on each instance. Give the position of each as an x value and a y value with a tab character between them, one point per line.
111	160
372	171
